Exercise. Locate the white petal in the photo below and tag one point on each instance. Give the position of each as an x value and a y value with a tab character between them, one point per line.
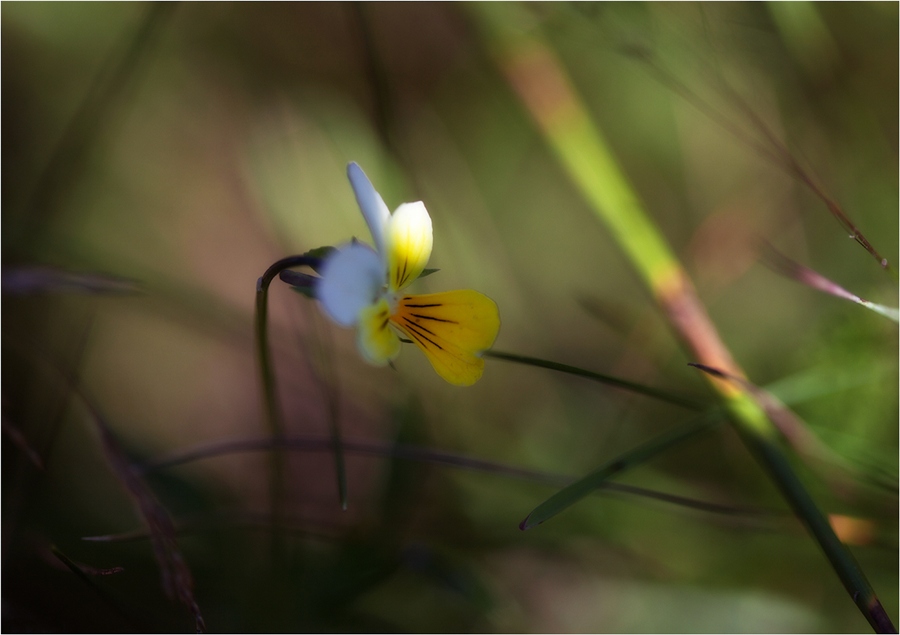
408	242
370	203
352	278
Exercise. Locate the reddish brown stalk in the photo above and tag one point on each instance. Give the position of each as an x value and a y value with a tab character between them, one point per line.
18	439
177	581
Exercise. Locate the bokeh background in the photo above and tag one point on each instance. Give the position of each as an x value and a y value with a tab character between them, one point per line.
158	158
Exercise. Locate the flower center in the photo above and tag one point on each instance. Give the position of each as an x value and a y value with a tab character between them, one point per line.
393	300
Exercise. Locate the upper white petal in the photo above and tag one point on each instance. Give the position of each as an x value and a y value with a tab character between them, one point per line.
370	203
351	279
407	242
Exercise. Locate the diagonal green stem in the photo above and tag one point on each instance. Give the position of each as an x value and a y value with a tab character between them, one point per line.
843	562
544	89
570	495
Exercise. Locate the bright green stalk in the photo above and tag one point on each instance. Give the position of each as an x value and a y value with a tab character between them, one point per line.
541	83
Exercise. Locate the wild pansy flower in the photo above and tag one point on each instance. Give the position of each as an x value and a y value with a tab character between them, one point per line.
364	287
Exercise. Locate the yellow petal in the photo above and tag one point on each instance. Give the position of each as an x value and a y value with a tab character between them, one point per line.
452	329
407	242
374	337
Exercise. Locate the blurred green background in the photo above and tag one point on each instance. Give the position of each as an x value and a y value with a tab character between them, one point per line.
178	150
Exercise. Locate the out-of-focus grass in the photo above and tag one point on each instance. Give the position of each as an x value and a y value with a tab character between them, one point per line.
225	150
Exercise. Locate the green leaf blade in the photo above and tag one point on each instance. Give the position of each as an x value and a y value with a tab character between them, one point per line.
581	488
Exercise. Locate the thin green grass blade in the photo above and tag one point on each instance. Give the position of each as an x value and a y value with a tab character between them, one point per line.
417	454
842	561
609	380
570	495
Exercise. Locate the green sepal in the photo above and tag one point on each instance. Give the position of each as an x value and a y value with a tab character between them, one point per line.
320	254
309	292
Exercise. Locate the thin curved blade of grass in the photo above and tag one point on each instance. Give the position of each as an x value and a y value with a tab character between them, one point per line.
807	37
46	425
641	389
121	70
570	495
301	526
176	577
80	568
377	76
18	439
214	522
770	146
86	575
806	276
434	457
38	279
177	580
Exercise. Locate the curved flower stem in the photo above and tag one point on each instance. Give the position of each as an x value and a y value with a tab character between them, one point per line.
544	89
270	398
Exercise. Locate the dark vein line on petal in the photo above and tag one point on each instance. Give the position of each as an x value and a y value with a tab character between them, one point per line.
436	319
419	328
